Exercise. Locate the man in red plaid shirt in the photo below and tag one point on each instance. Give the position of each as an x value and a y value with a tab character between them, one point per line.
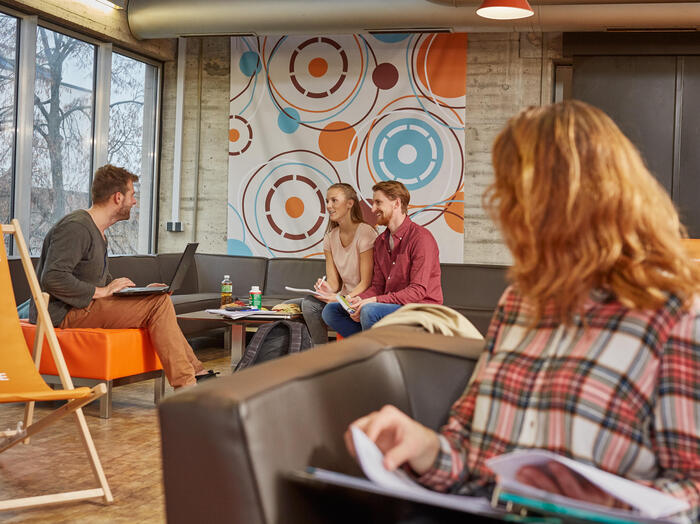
594	351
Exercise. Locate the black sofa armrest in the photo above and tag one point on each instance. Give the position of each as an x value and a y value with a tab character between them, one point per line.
227	444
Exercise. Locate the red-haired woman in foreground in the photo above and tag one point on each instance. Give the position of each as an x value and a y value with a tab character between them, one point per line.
594	351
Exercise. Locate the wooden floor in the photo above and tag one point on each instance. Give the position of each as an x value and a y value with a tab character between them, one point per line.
129	447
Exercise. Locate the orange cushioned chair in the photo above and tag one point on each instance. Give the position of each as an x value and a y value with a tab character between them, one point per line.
111	356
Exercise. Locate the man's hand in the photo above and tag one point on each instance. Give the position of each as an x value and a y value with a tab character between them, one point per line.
115	285
357	303
400	438
557	478
155	284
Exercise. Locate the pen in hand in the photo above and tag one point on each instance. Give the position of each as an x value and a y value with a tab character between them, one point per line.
320	282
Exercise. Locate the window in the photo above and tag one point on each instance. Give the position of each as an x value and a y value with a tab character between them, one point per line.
131	144
8	106
75	102
62	145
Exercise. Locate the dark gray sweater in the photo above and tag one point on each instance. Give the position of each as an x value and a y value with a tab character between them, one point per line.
73	263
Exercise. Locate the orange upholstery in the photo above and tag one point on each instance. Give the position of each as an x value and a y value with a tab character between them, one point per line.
103	354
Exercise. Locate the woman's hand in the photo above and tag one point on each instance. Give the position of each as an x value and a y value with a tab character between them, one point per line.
557	478
323	287
326	297
400	438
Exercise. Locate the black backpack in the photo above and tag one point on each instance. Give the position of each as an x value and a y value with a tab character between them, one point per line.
274	340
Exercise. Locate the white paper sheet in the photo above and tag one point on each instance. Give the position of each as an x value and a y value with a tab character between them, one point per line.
399	484
303	291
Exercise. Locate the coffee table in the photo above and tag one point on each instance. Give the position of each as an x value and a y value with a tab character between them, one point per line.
234	336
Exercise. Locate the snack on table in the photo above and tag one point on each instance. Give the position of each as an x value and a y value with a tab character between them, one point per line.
290	309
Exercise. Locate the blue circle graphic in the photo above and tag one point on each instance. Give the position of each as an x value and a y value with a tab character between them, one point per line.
250	63
237	247
409	151
288	120
391	38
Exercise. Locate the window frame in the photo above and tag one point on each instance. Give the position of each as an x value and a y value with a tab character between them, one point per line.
13	159
27	26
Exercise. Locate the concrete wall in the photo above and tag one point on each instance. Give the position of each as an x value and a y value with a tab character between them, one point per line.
204	175
505	72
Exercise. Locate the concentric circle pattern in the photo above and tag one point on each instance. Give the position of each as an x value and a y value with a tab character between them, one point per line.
310	111
283	202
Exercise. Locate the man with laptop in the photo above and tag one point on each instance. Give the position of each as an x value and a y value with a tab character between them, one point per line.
74	270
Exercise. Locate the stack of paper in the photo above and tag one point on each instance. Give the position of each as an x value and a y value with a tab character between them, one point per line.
235	315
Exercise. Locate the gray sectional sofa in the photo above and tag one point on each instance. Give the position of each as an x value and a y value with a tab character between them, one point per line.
471	289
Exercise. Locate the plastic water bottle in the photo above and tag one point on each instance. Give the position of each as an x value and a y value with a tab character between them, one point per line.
226	291
255	297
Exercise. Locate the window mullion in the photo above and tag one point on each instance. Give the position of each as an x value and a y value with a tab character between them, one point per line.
25	121
103	84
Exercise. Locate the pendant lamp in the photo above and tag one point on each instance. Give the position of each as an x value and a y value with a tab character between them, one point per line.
505	9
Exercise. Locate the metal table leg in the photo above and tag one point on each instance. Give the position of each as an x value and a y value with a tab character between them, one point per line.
235	340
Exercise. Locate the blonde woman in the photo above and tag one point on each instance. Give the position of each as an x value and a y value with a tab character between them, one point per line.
347	246
594	351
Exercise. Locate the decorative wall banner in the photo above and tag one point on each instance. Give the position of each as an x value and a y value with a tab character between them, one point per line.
307	112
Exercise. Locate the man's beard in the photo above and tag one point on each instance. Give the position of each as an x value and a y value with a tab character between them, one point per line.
124	213
383	219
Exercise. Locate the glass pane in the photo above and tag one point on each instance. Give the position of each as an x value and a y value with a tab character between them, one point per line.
131	145
8	110
62	143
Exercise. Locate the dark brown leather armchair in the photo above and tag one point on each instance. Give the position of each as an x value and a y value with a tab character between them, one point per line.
228	443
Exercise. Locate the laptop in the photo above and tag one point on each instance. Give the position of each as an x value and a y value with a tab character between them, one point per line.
178	277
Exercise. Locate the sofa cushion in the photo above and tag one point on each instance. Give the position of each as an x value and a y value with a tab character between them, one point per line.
20	285
167	264
473	285
294	272
244	271
142	269
195	302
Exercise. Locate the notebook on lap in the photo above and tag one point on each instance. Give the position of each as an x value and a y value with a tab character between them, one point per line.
178	277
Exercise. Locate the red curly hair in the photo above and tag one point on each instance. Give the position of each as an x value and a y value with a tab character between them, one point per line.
579	210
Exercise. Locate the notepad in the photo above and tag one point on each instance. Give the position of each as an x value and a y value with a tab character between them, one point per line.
302	290
345	303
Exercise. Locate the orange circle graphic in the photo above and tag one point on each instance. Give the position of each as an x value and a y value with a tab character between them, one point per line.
335	141
294	206
318	67
233	135
454	213
444	56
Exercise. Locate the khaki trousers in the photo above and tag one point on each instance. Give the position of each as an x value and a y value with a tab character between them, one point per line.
152	312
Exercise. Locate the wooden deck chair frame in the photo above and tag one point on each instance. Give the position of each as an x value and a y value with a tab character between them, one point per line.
45	329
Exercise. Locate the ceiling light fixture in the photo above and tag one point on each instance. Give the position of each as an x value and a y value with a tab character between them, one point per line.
505	9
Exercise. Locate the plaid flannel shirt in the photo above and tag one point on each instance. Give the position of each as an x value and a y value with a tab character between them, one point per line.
618	389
